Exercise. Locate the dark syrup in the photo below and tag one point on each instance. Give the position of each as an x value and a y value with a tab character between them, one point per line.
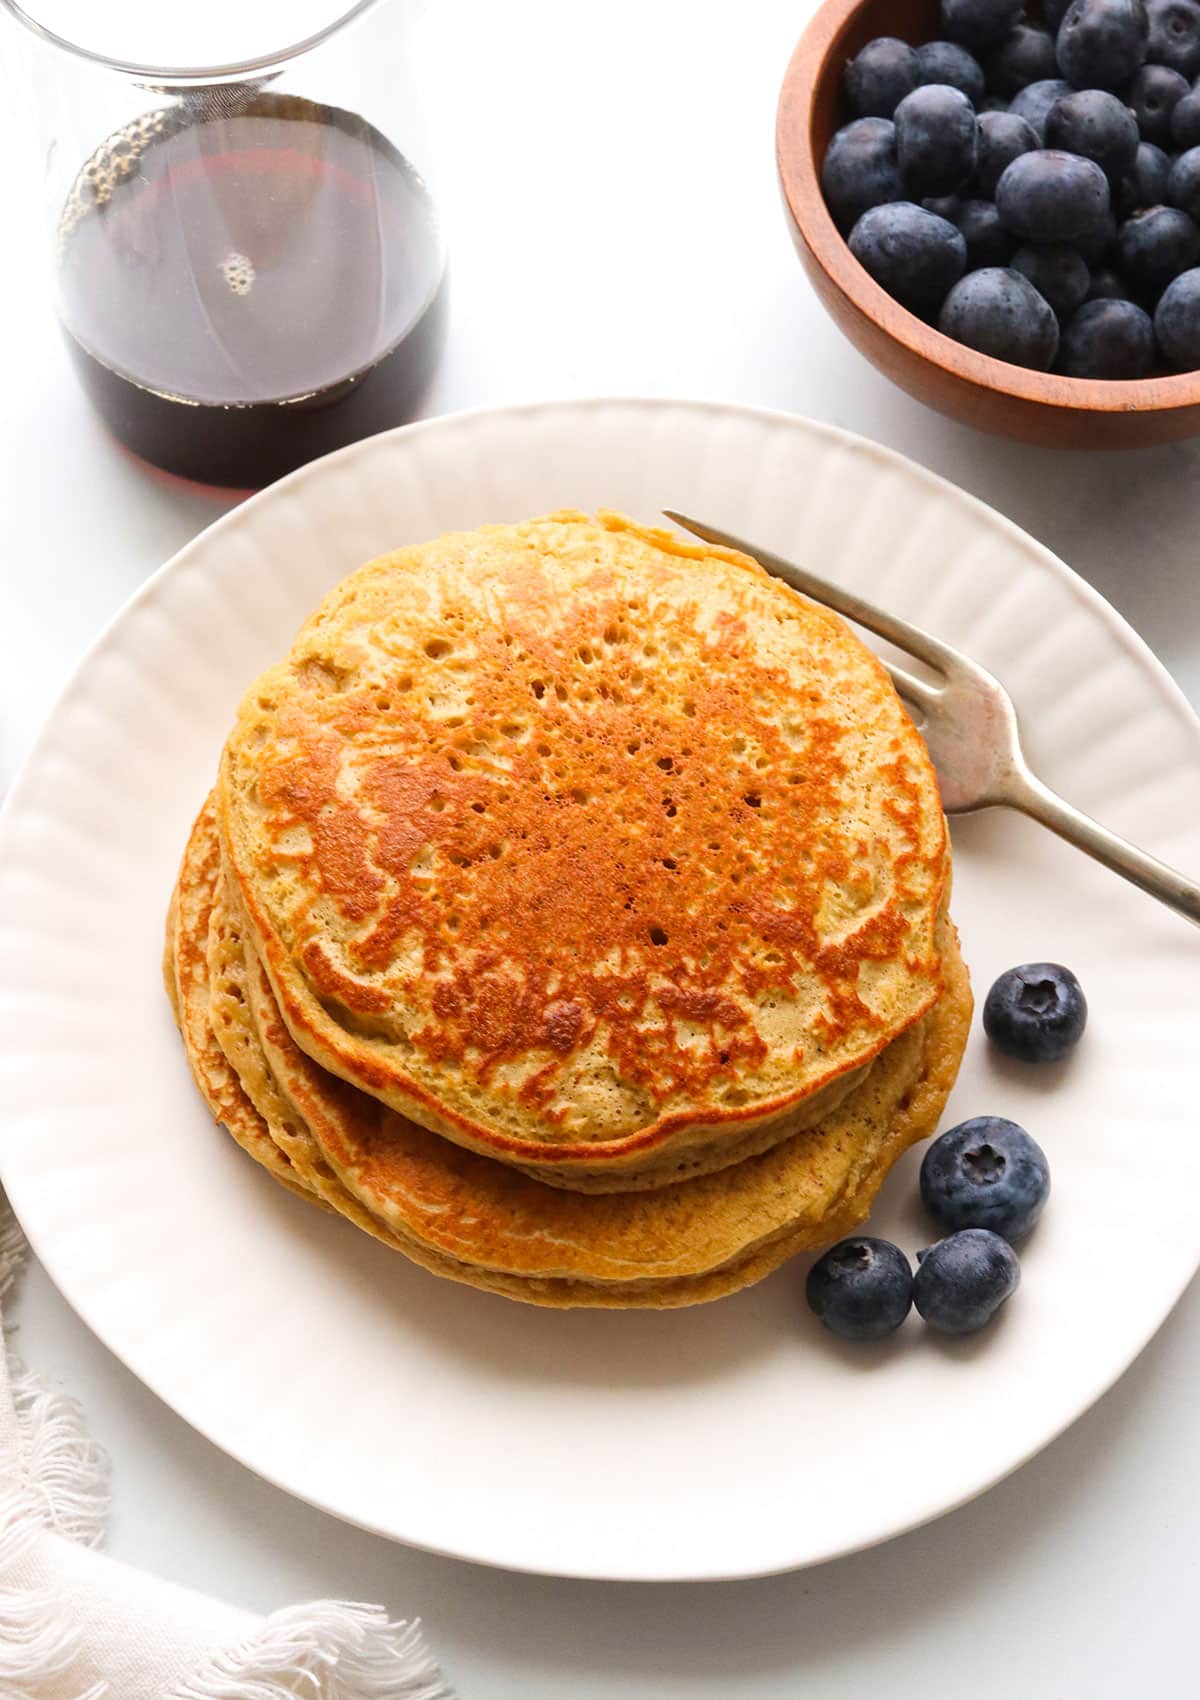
245	289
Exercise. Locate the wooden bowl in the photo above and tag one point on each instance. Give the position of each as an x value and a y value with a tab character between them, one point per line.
1035	407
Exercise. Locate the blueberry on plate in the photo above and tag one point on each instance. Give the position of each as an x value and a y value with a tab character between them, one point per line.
914	254
1000	313
1034	103
1026	55
860	170
1185	121
947	62
1109	338
1095	125
1154	246
1002	136
1105	286
1174	38
985	1173
935	139
861	1288
1052	196
1177	321
988	242
1153	95
1056	273
1101	43
1183	184
878	78
979	23
1036	1012
1146	185
962	1281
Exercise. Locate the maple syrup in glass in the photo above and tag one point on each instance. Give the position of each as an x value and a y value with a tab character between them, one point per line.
247	280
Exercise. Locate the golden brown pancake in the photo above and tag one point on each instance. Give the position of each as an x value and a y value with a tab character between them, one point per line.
185	970
484	1223
592	850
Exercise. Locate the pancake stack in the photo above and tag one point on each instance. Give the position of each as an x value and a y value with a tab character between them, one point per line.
569	913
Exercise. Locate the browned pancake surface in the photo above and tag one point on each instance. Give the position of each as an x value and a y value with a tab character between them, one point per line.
586	848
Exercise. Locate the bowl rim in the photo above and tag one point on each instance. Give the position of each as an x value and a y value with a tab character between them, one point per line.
812	61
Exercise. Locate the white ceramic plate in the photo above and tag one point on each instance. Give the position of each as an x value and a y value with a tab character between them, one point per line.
726	1441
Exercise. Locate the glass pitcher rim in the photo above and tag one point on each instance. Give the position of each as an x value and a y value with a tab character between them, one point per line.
260	62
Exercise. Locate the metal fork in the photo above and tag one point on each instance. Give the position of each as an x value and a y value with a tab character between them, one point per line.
969	725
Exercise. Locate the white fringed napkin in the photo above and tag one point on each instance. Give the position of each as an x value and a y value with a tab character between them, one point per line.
75	1625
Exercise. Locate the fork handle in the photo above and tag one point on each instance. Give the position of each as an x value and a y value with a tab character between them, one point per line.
1028	794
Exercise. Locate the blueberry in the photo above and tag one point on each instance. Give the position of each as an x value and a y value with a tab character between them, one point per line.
935	139
1154	246
945	206
1153	95
861	1289
985	1173
1101	43
1105	286
1107	339
1095	244
947	62
1026	55
1051	196
1034	103
1035	1013
979	23
1058	275
1183	184
962	1281
1146	185
988	242
878	78
1002	136
1177	321
860	170
1185	121
915	255
1095	125
1174	35
1000	313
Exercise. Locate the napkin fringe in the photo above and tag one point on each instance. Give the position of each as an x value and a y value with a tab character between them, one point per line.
60	1484
329	1650
39	1640
13	1247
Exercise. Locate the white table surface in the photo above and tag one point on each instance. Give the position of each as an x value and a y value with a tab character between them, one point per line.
609	189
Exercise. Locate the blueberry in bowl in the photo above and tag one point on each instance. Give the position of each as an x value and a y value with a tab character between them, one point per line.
1108	337
999	312
878	78
1059	274
1095	125
860	170
914	254
1033	103
1060	182
936	139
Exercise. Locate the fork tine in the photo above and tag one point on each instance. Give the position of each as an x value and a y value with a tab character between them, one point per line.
922	644
915	691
